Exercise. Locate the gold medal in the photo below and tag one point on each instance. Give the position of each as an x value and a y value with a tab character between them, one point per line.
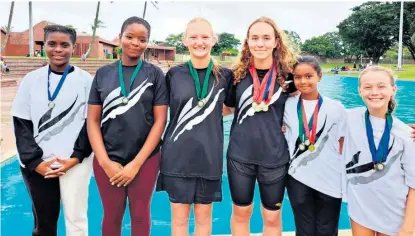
254	105
265	108
312	148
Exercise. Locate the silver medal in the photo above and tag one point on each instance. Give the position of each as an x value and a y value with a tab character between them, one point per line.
307	142
125	100
51	104
201	103
379	166
302	147
251	111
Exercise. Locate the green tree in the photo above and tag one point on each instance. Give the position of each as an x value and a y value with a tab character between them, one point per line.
337	42
294	40
230	52
226	41
175	40
373	28
320	46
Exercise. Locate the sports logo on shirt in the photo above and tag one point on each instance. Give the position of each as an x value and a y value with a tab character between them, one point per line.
246	102
50	126
113	105
353	168
188	114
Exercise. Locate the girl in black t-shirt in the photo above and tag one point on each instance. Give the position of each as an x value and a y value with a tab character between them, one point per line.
126	118
257	147
192	152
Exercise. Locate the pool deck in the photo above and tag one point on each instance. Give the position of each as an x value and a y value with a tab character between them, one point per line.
7	143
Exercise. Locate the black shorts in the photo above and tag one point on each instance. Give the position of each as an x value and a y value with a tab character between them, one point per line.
271	182
190	190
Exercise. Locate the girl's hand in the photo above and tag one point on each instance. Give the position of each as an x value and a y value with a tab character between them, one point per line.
112	168
126	175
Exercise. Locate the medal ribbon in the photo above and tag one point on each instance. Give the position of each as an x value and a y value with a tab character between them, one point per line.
201	92
61	81
304	125
380	154
124	92
263	91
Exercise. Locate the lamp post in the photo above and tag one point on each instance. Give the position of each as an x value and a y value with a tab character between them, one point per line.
400	38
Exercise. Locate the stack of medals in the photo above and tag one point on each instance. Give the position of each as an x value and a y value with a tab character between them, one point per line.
306	129
263	91
52	97
201	92
380	154
124	92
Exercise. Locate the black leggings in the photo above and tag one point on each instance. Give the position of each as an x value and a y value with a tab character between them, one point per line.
45	195
271	181
315	213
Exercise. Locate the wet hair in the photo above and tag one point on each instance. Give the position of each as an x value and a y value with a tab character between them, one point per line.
60	29
392	102
309	60
135	20
282	54
216	68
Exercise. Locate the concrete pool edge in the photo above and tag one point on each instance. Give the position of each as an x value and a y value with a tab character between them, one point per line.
7	157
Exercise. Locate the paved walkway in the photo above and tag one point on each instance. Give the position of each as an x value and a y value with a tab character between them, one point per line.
7	146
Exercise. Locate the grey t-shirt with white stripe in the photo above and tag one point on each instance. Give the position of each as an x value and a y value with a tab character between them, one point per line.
377	199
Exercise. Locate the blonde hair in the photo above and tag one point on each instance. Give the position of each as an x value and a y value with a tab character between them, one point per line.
216	68
283	56
392	102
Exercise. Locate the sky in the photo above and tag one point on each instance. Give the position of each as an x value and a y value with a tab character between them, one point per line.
307	18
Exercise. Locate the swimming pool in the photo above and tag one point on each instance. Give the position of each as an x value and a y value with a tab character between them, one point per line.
16	214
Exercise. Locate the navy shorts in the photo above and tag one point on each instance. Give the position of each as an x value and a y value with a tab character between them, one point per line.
271	181
192	190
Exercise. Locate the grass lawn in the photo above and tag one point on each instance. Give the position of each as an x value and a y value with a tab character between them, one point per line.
408	72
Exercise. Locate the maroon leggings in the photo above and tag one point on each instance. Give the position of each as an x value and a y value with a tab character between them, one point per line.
138	192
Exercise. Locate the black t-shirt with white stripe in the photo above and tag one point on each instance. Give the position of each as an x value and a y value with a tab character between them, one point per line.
125	127
193	141
258	139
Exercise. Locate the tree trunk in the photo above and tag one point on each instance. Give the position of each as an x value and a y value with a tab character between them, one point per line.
94	30
9	27
145	8
411	49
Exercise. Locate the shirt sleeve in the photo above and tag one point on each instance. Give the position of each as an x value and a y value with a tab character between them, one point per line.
21	102
230	100
82	147
30	154
89	80
408	161
161	93
94	95
342	123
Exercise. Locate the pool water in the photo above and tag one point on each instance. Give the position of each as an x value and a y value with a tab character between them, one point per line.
16	214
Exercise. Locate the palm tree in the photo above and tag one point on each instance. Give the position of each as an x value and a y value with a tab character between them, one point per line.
9	27
97	24
154	3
